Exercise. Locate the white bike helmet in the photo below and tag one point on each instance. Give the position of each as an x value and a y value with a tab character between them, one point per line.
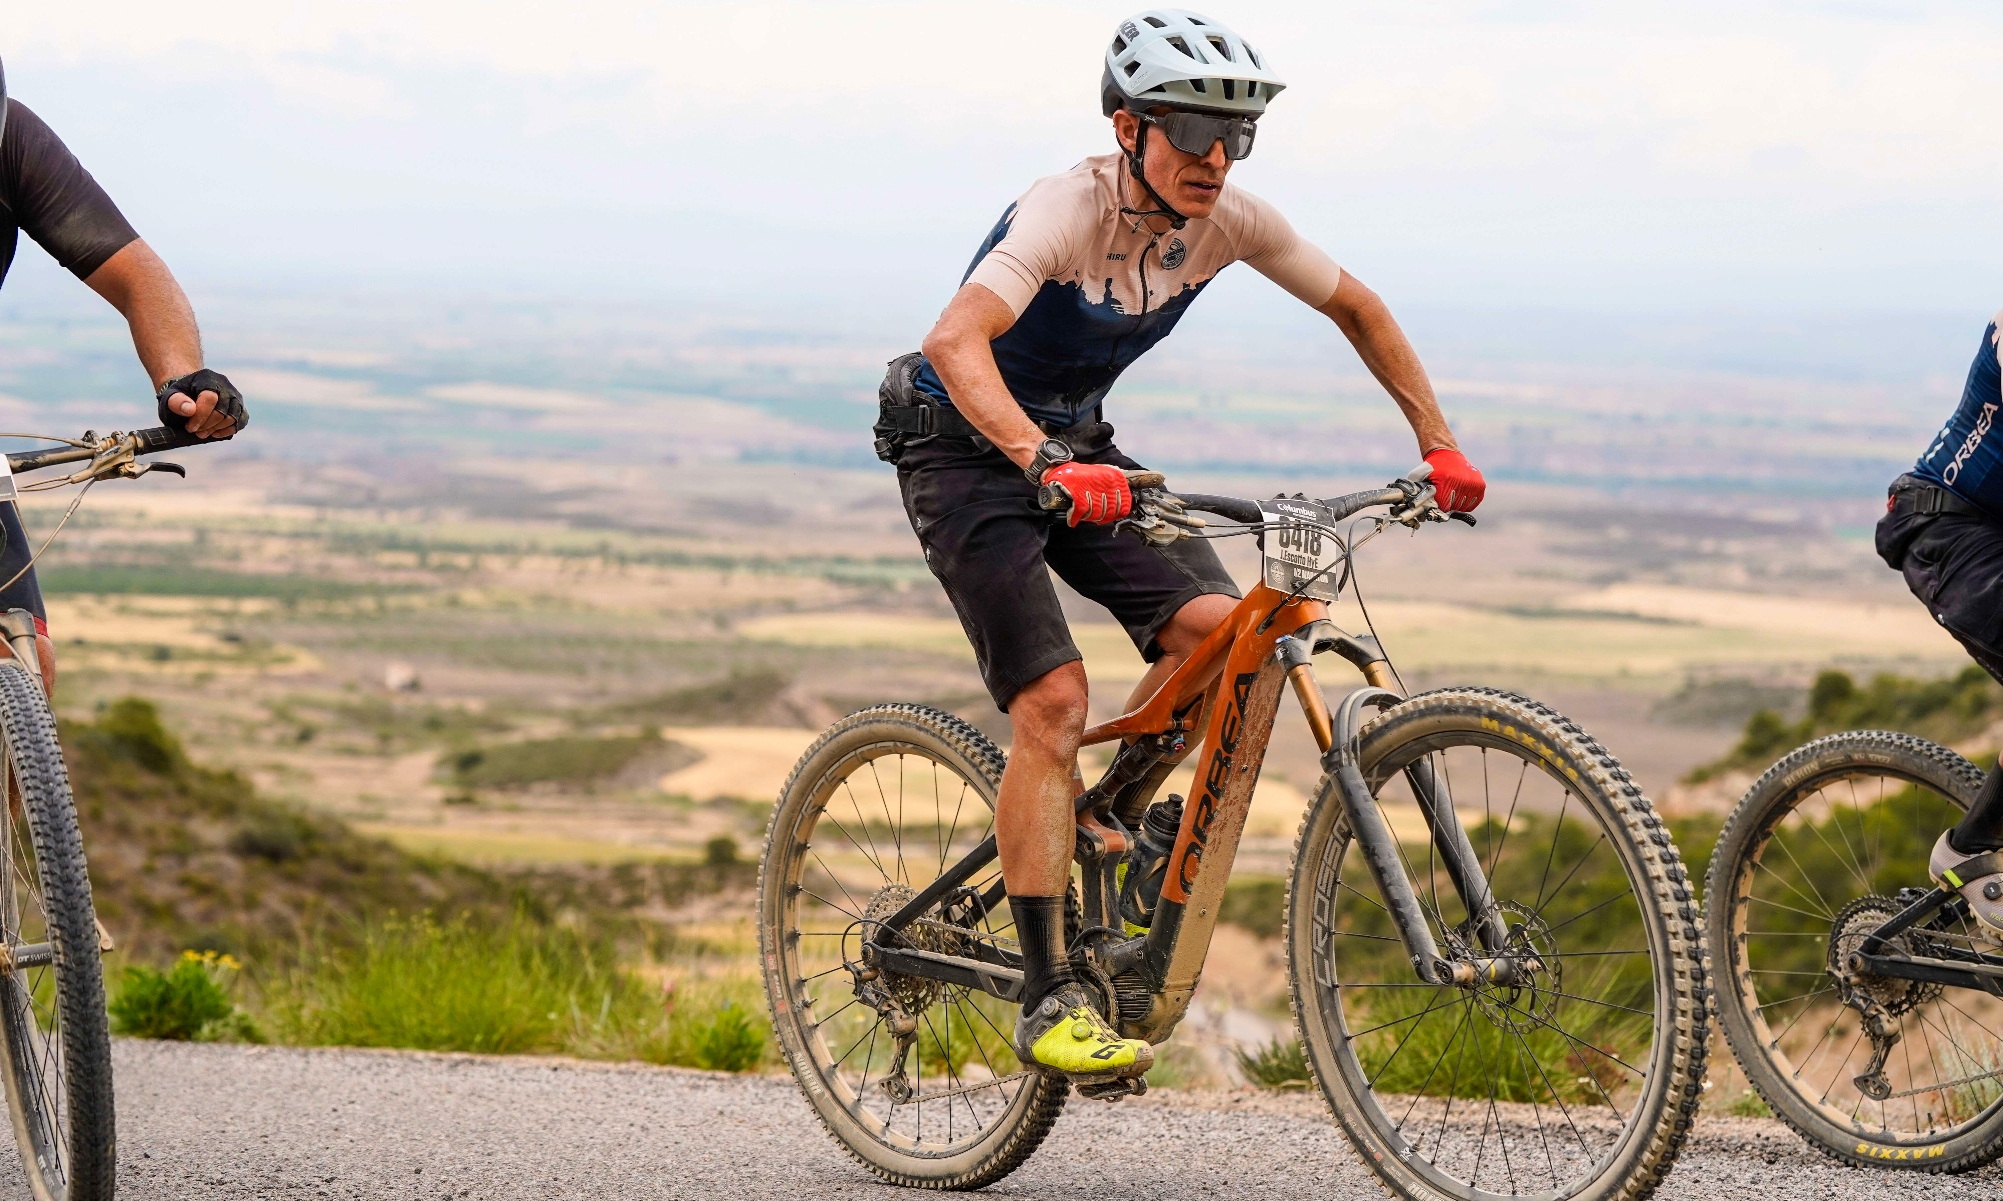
1185	60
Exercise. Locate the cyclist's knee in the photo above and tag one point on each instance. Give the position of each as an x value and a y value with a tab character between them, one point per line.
1050	710
1193	622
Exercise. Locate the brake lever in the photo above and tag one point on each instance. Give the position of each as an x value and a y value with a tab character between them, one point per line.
132	471
1464	518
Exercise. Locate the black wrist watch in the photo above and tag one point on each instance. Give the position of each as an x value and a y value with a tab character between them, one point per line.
1049	453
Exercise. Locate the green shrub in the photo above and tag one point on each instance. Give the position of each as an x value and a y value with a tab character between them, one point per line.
718	1025
1277	1064
132	726
186	1002
547	760
740	698
720	851
729	1040
1945	710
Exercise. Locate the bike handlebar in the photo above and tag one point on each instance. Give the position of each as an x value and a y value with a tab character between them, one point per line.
144	442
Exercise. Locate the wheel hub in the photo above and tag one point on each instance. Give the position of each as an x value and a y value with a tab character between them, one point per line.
1517	987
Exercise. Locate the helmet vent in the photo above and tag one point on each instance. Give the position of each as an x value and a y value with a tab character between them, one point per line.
1157	22
1218	44
1252	90
1229	89
1119	45
1133	67
1253	55
1198	85
1183	46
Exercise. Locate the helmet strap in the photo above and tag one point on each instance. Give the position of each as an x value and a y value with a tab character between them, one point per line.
1137	167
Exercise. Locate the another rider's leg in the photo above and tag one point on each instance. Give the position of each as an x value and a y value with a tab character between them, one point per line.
1955	564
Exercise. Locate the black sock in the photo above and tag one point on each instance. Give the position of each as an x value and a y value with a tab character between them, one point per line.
1039	927
1981	828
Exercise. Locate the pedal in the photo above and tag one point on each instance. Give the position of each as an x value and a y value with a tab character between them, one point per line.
1114	1090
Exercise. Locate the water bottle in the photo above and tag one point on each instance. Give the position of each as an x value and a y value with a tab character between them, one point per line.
1147	862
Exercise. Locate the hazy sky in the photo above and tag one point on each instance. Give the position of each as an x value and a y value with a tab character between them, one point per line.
804	156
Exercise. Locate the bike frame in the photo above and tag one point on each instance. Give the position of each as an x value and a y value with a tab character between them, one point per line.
1230	683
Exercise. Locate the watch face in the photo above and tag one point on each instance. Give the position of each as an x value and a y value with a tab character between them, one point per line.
1054	451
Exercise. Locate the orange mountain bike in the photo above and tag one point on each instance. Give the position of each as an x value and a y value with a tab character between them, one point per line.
1495	960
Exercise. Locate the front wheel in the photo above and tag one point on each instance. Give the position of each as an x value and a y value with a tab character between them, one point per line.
1581	1078
1814	858
52	1017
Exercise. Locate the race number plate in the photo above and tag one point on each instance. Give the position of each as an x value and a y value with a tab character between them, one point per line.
1300	555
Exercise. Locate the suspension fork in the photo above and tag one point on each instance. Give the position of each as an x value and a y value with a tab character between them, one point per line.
1336	737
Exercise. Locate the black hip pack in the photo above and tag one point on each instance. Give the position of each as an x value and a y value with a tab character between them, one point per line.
903	413
1911	505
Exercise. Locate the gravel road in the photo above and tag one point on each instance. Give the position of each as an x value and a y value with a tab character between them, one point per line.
237	1122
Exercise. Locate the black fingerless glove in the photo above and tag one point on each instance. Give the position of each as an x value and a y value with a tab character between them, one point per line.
229	401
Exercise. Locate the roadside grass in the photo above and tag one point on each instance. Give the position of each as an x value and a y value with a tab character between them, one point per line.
520	986
1281	1063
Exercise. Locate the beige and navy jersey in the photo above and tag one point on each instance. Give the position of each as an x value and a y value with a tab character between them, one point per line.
1092	289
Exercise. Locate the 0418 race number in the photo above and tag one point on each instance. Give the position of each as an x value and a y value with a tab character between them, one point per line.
1301	552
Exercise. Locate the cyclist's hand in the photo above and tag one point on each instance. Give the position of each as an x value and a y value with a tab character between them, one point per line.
1457	486
203	403
1099	492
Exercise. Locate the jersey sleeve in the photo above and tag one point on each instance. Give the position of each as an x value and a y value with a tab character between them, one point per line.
1267	242
1037	246
54	199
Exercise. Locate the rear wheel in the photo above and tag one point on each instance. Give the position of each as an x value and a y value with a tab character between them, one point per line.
1581	1079
52	1017
1810	862
913	1077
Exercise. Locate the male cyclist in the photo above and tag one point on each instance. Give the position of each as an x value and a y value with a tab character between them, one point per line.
46	192
1085	272
1943	530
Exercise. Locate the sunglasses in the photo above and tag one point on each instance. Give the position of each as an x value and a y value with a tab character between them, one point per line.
1196	133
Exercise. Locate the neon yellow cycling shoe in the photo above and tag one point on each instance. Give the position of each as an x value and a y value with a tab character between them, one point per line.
1065	1034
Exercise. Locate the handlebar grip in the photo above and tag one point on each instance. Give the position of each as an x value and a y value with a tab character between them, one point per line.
161	438
1052	498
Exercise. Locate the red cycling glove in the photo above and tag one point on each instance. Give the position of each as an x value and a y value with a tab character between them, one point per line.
1098	492
1457	486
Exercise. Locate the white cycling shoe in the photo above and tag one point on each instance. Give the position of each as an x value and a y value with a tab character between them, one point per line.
1979	880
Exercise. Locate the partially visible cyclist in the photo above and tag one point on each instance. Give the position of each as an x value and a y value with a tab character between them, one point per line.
1083	273
45	192
1943	530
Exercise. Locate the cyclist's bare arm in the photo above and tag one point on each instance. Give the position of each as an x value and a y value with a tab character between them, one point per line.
1367	322
137	283
958	349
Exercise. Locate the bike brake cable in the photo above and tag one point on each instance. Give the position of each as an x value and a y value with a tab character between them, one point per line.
1357	590
50	540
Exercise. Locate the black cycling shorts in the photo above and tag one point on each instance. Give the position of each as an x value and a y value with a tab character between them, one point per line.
976	517
1953	563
